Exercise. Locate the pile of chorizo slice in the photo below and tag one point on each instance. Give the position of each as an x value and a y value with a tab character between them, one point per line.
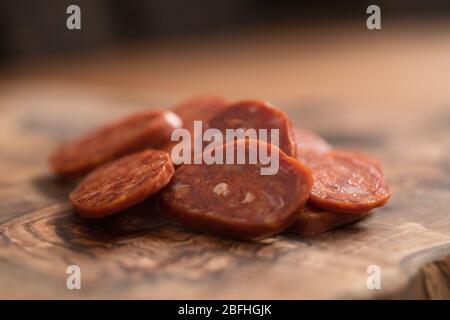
122	183
200	108
345	182
136	132
236	200
315	188
311	221
257	114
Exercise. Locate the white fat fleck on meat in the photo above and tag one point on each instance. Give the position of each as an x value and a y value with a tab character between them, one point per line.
275	201
253	109
249	197
222	189
354	190
180	190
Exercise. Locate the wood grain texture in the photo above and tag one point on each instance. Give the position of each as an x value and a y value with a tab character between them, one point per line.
141	254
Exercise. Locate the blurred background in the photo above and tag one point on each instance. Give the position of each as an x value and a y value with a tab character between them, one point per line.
272	49
31	29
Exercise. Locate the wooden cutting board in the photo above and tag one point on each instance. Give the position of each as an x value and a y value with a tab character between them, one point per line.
138	254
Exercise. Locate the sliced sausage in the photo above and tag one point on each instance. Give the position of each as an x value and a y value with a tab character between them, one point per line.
235	199
345	181
122	183
133	133
311	221
200	108
257	114
309	140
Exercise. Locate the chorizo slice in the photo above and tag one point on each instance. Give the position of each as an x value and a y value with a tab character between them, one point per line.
345	181
122	183
257	114
200	108
235	200
308	140
130	134
311	221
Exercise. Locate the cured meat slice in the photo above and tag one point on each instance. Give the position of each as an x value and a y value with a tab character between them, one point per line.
235	199
345	181
200	108
311	221
122	183
257	114
309	140
133	133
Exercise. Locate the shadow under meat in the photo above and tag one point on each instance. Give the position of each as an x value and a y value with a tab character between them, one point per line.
54	187
130	223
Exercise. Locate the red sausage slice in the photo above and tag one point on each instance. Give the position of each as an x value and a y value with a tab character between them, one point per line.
122	183
200	108
311	221
257	114
235	199
133	133
308	140
345	181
